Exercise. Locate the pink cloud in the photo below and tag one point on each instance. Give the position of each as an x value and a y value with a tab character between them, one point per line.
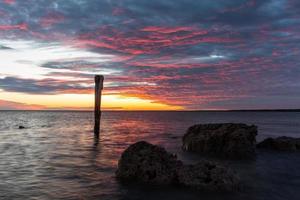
51	19
168	30
22	26
9	1
10	105
148	40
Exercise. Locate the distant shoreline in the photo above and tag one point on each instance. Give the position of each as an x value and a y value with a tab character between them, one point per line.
254	110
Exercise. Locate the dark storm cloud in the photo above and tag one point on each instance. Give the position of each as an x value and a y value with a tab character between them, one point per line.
45	86
235	53
79	65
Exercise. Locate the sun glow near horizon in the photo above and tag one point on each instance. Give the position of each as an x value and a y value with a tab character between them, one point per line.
28	59
83	102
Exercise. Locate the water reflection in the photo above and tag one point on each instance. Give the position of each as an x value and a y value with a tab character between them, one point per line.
96	141
58	157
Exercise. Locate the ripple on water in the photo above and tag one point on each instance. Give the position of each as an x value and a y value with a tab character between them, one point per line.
57	157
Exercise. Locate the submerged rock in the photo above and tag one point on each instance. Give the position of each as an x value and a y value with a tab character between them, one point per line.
228	140
208	176
281	143
151	164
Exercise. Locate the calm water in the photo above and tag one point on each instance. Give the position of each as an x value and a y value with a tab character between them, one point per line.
56	156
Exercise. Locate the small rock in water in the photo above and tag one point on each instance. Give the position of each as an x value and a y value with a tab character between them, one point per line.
21	127
147	163
281	144
228	140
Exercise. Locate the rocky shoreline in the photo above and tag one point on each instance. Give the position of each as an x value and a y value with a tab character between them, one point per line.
152	164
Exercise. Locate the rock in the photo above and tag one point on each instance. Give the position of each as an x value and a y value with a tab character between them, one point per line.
21	127
235	141
147	163
208	176
281	143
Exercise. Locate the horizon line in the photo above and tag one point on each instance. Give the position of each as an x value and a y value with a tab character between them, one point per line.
196	110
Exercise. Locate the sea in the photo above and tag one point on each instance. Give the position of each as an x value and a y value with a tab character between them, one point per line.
56	155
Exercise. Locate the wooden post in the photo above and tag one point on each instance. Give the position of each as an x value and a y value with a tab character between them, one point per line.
98	90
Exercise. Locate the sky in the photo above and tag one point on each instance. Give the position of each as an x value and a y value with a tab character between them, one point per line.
155	55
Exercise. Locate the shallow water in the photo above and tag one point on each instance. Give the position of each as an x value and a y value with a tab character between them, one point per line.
57	157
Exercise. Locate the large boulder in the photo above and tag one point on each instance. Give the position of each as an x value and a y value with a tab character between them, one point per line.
147	163
281	143
151	164
228	140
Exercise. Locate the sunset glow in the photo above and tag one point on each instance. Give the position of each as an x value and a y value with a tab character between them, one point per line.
188	56
81	102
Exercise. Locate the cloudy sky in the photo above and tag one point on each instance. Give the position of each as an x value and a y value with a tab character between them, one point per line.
170	54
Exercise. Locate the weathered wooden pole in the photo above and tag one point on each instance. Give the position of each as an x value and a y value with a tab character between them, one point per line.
98	90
